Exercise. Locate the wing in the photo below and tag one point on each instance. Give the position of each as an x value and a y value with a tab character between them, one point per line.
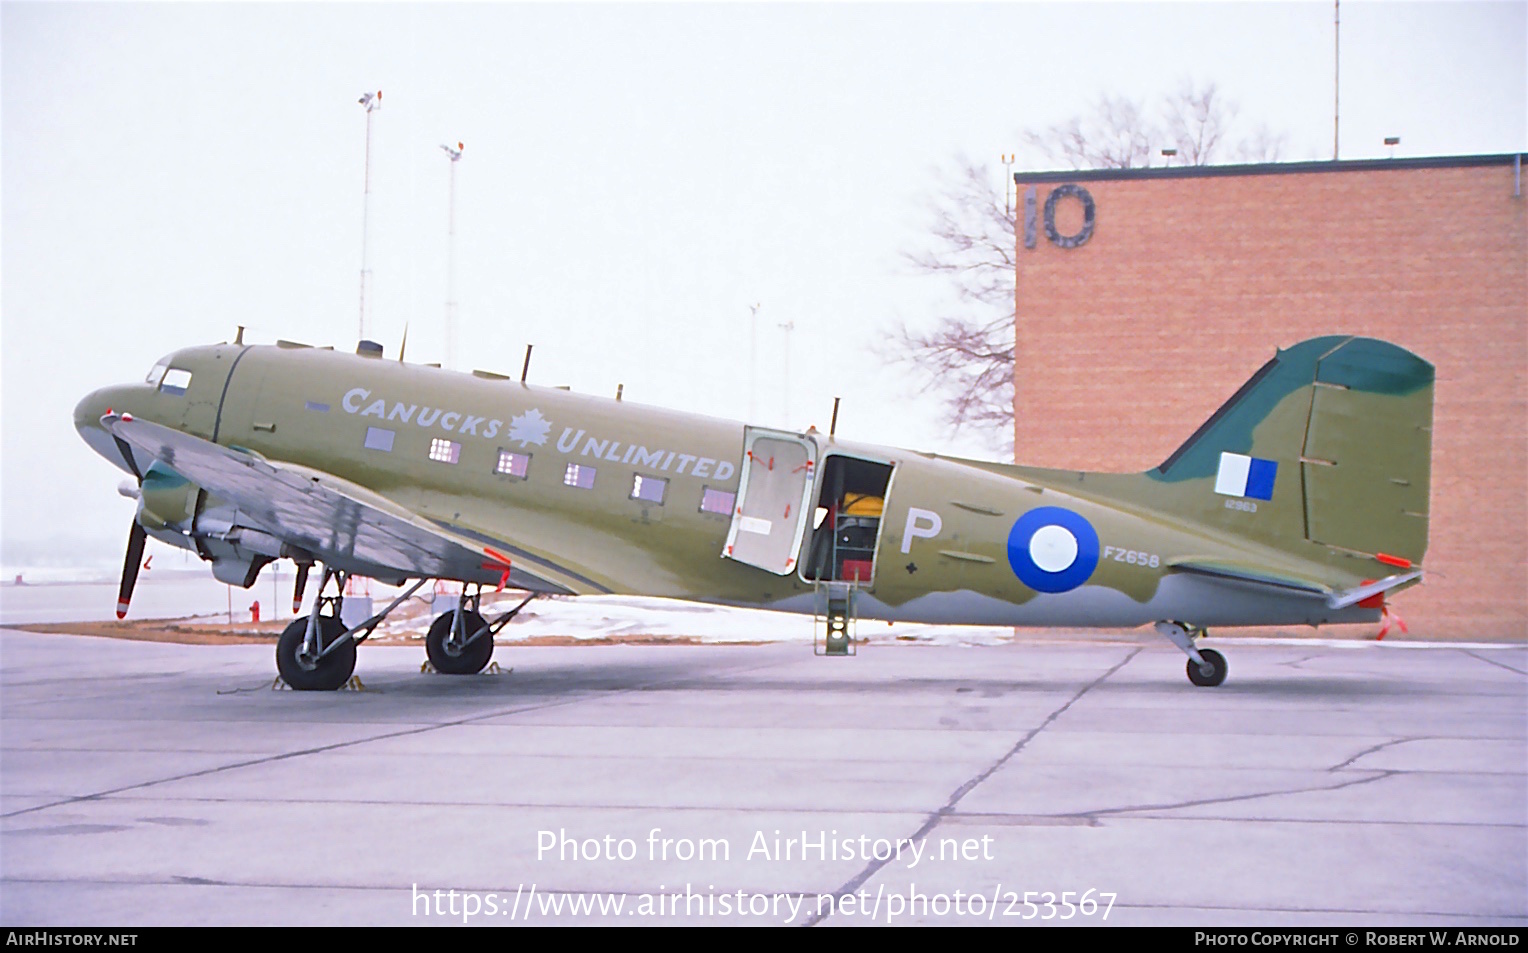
339	522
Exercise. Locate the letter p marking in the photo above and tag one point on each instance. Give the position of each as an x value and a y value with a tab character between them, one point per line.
921	524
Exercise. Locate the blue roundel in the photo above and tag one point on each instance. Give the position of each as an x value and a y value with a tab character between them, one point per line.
1052	549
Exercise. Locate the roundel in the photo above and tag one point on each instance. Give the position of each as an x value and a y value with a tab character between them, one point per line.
1052	549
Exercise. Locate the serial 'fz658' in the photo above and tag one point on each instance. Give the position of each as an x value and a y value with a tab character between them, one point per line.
1303	500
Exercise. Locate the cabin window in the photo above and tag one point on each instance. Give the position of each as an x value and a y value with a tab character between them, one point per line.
651	489
379	439
445	451
579	476
319	406
713	500
512	464
175	381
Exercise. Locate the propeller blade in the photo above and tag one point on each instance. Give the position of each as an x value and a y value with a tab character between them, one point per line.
135	538
127	455
302	584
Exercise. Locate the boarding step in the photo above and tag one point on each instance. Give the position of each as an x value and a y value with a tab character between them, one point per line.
833	623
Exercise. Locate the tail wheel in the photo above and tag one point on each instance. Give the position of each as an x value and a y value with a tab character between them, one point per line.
458	660
315	675
1217	669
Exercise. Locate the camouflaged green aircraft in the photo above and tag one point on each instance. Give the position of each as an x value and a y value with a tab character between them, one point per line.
1302	501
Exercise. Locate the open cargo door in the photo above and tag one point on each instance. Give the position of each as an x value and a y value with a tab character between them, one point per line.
774	500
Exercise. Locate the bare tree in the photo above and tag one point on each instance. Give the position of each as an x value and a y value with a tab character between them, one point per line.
1195	120
1264	145
968	354
1114	134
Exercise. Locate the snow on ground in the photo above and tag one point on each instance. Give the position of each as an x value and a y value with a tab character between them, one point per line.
604	617
196	596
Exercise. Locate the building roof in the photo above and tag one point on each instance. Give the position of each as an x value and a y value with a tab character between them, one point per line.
1266	168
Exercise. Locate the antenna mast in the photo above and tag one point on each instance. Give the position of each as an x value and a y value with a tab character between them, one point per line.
372	102
1336	69
455	156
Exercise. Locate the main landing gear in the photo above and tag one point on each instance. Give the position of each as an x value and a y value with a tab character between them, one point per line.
314	655
317	651
1206	667
460	642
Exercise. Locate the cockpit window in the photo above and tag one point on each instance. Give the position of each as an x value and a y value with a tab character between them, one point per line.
157	374
175	381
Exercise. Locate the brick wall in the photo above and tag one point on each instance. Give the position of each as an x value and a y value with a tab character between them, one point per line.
1188	283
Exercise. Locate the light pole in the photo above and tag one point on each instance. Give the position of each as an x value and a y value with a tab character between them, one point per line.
1010	193
753	359
455	155
372	102
787	327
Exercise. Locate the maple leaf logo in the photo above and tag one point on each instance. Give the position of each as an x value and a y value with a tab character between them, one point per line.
528	428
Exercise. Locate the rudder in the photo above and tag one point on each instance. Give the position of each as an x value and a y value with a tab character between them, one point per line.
1367	458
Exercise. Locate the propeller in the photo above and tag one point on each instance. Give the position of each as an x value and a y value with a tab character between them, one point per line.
135	538
135	535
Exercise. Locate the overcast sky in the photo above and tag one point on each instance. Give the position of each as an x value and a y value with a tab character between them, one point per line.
634	178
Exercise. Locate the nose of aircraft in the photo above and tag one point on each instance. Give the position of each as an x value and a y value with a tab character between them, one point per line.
87	420
89	411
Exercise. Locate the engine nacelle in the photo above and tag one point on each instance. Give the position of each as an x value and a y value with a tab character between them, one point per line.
174	510
166	500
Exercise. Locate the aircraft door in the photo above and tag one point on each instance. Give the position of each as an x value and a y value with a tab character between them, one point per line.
851	500
774	500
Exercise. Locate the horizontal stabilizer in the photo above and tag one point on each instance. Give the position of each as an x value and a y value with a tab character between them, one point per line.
1289	583
1341	600
1256	575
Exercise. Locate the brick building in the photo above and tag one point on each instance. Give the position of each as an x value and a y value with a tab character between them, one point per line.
1147	296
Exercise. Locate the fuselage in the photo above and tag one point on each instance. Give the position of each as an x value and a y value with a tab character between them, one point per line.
598	495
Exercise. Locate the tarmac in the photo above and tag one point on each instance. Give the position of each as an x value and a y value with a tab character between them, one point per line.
1080	782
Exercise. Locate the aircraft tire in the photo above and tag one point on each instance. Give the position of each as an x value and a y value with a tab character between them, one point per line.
468	661
1216	660
332	671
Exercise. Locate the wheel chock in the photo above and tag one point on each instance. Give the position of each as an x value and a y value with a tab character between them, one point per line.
492	668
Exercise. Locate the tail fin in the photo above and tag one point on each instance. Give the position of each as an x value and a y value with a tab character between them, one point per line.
1329	443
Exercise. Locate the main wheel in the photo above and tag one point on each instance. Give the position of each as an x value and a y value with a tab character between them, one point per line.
321	675
453	660
1217	673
